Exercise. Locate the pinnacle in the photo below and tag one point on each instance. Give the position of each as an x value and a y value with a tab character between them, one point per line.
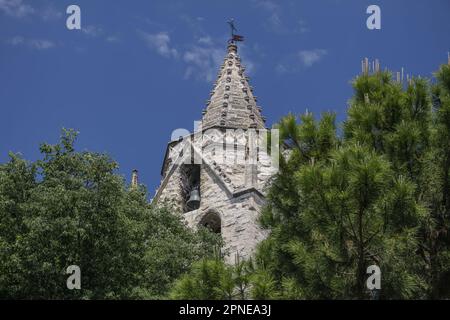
232	103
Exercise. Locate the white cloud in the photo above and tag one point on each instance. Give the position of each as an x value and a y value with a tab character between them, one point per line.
20	9
195	24
160	42
112	39
50	13
17	40
203	62
302	26
281	68
92	31
201	59
39	44
302	59
309	57
274	20
206	40
267	5
16	8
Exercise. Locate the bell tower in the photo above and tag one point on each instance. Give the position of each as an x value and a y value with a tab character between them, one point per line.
217	176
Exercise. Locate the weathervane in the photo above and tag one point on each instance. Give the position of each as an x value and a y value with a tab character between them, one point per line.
234	37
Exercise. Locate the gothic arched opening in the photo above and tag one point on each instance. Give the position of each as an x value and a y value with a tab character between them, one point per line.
212	221
190	186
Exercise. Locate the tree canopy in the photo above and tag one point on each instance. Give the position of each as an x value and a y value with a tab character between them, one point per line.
72	208
379	195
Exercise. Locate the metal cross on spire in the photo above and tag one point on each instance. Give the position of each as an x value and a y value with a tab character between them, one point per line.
234	37
233	28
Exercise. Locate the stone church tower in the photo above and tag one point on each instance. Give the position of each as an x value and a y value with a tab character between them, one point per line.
218	175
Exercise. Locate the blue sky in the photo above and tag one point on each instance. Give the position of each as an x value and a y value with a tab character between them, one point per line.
140	69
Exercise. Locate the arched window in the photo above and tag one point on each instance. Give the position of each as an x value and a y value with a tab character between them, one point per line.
211	220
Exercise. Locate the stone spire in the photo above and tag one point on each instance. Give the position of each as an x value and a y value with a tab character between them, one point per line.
232	103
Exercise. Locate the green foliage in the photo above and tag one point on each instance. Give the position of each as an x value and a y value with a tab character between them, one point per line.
263	285
380	195
72	208
213	279
435	248
208	280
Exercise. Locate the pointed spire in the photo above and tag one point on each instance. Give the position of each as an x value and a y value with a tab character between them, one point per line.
134	179
232	103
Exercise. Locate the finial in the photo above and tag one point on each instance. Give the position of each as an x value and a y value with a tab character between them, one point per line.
232	47
377	66
365	66
234	37
134	179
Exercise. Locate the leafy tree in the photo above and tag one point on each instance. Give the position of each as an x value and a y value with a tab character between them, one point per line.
263	285
417	144
348	219
71	208
209	279
213	279
379	195
435	190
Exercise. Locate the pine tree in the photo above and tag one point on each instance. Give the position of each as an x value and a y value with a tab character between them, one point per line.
380	195
435	247
209	279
